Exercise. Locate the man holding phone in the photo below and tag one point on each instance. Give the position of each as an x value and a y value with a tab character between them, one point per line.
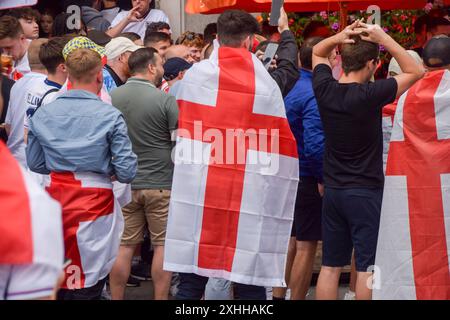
285	73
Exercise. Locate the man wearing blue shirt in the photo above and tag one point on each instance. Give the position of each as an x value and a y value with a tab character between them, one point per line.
83	144
304	119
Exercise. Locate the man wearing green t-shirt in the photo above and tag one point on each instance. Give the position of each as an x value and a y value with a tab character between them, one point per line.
152	118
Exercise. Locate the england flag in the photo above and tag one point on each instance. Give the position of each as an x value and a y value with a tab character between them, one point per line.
31	241
236	173
412	260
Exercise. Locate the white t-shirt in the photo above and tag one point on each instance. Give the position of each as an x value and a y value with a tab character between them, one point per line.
154	15
48	85
25	94
26	282
22	67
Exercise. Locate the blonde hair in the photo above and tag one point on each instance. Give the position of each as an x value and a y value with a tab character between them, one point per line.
83	65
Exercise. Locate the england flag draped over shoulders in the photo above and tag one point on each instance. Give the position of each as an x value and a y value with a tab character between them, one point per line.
236	173
412	260
8	4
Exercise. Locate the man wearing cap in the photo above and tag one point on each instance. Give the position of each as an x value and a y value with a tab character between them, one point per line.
82	43
83	144
116	72
152	118
174	70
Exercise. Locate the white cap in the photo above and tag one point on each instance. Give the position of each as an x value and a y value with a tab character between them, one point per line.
120	45
395	67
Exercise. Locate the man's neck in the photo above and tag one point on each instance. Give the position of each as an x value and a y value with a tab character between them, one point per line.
146	13
25	52
92	88
353	77
119	72
57	78
143	76
41	71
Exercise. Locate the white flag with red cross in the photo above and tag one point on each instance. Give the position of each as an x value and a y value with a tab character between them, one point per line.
92	224
9	4
236	173
412	260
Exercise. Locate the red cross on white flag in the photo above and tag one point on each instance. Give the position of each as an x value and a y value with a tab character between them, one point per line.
412	260
92	223
236	173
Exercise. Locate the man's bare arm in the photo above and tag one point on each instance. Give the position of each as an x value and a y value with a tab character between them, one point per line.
412	71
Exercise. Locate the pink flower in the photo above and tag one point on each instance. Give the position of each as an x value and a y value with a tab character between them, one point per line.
335	26
324	15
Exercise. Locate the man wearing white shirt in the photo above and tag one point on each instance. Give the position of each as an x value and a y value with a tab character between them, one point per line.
146	16
25	93
51	57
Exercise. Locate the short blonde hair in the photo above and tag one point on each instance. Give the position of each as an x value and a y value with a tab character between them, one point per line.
83	65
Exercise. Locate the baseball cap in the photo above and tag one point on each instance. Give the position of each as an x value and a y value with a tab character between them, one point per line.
436	53
394	67
174	66
82	43
120	45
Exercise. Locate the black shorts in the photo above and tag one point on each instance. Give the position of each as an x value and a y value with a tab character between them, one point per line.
308	211
351	219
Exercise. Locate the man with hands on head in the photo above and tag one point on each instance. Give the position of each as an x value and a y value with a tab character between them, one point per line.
350	110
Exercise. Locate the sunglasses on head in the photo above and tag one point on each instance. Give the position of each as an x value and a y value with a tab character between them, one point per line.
189	36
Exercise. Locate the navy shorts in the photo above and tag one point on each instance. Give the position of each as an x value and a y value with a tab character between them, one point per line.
308	211
351	219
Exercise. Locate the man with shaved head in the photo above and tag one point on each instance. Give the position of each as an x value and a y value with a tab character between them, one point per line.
179	51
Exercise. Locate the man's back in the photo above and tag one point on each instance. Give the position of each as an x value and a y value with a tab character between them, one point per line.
306	125
351	116
25	93
151	115
80	133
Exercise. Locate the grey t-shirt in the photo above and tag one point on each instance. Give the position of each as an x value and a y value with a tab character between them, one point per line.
151	115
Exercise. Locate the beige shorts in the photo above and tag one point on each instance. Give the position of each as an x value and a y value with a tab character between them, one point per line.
151	206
